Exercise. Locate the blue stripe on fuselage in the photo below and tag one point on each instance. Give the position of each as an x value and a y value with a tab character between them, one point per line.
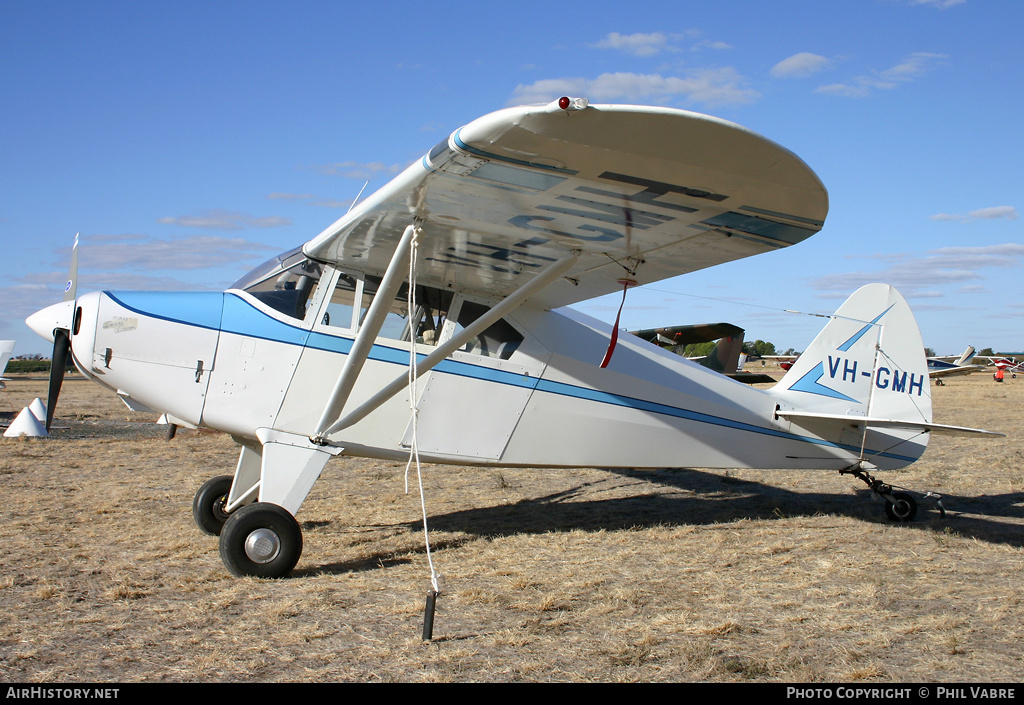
194	308
242	318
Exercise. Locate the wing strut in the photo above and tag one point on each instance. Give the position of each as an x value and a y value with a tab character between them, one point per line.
368	331
549	274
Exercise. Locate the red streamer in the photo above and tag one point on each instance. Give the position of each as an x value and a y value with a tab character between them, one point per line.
615	330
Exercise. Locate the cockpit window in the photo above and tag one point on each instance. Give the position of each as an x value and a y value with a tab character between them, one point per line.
272	265
499	340
426	320
283	283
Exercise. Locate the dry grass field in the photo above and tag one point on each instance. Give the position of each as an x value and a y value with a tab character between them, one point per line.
583	575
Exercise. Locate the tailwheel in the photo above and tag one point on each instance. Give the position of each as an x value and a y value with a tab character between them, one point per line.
899	506
903	507
261	540
208	505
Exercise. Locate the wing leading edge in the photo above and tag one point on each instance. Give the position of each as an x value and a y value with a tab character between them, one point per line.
642	193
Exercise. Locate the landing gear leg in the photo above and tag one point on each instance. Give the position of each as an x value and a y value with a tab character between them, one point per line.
260	536
899	506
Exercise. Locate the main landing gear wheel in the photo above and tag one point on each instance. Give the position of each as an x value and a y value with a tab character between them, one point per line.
260	540
208	505
902	508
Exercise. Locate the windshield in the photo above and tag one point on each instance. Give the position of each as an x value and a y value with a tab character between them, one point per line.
274	264
284	282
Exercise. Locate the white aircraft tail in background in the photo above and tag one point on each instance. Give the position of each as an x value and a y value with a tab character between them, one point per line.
6	350
940	367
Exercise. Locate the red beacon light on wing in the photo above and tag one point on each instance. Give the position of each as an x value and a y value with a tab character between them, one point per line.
567	103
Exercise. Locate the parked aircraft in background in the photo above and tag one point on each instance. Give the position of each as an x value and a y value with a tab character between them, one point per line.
940	367
726	357
1008	362
439	292
783	361
6	350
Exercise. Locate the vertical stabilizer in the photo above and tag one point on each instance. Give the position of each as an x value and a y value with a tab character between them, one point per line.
868	361
967	357
725	356
6	350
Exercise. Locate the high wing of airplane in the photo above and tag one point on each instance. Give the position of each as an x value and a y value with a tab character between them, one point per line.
1007	362
6	350
726	356
423	323
939	367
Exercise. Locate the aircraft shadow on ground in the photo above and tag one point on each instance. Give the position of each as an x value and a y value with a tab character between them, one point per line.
702	498
696	498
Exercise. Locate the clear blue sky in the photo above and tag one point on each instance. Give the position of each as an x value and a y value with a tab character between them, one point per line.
189	141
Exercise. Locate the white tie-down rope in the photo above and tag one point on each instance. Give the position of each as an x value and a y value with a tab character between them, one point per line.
414	451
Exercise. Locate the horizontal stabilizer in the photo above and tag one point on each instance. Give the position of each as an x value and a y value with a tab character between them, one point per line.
889	423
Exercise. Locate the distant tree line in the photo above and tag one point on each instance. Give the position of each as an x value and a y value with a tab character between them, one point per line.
15	366
757	347
760	348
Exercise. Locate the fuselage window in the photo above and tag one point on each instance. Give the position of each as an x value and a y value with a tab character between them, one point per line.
342	306
423	326
283	283
394	326
499	340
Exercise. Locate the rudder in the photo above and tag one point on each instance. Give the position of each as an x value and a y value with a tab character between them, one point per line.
867	361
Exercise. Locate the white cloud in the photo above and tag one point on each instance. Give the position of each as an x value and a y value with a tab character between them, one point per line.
711	44
907	70
844	89
919	277
144	253
332	202
653	43
311	200
638	44
721	86
800	65
278	196
941	4
224	220
363	171
130	262
26	297
993	213
997	255
911	67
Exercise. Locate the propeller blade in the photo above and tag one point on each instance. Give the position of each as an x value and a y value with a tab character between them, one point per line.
62	339
59	362
71	288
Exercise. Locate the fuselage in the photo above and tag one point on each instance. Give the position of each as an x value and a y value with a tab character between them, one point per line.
531	393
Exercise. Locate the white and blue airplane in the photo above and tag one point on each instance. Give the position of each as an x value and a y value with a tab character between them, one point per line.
454	276
940	367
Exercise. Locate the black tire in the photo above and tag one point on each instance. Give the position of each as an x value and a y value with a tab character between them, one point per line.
208	505
261	540
903	509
